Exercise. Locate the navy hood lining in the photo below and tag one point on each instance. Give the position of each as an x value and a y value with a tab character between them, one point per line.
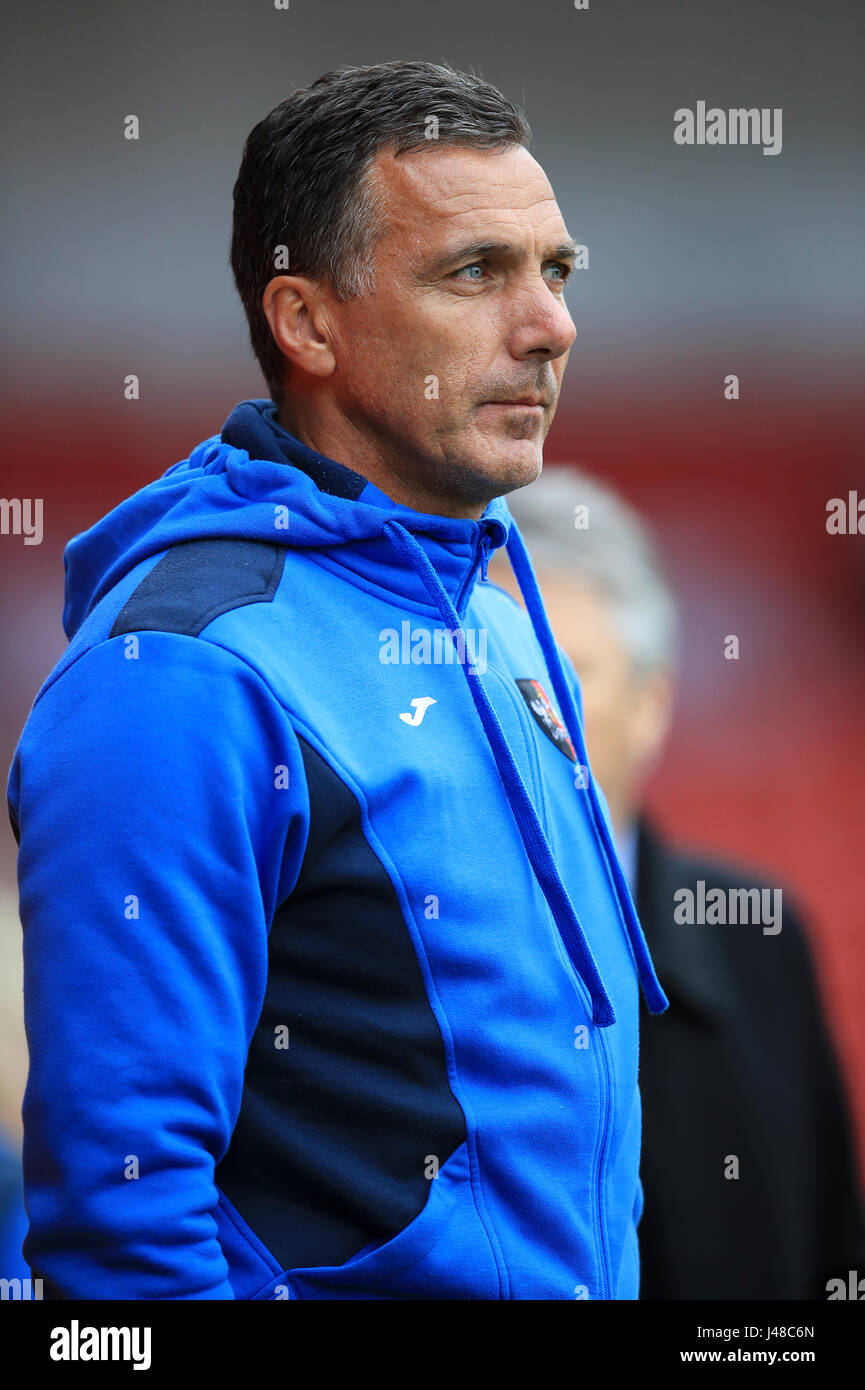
253	426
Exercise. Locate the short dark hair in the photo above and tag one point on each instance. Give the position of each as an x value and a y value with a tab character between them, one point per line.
302	179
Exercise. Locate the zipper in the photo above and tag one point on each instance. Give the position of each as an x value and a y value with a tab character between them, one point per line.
596	819
602	1066
485	555
602	1234
481	556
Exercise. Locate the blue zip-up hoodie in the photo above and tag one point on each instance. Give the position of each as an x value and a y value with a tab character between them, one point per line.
331	969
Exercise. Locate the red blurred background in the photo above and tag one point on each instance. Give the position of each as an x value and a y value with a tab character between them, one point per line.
702	262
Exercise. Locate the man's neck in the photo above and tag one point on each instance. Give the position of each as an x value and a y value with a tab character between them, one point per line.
344	444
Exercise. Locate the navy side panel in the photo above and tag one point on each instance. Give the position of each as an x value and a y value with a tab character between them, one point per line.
330	1149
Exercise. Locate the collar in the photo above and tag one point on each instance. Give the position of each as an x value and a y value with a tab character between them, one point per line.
457	548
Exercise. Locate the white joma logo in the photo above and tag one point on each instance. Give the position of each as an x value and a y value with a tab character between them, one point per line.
420	707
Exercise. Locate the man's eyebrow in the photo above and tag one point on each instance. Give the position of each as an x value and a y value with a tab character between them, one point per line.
475	250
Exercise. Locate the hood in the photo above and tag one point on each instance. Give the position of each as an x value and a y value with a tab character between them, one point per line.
258	482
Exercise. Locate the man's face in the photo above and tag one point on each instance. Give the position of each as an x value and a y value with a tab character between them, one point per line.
626	714
467	318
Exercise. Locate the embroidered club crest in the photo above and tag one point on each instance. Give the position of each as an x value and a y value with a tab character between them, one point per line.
538	702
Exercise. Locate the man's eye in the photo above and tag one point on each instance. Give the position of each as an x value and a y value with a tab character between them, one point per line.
563	270
475	265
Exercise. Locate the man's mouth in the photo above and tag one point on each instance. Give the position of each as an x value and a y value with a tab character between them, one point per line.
525	403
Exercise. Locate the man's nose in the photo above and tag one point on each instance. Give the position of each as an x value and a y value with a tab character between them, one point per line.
542	323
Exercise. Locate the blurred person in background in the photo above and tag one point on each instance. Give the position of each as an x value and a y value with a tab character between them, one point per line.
741	1065
13	1073
13	1218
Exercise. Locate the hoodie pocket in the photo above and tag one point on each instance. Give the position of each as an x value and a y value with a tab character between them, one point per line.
249	1260
443	1252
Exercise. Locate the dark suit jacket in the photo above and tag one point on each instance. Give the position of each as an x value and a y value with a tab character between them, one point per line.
740	1064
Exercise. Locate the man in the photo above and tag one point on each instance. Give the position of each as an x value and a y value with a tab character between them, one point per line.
331	966
741	1065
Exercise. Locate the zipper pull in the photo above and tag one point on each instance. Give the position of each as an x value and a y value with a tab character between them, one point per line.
485	543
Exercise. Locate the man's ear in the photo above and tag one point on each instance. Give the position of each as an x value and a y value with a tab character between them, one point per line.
297	314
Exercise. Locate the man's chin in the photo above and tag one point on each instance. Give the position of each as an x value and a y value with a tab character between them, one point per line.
478	464
509	463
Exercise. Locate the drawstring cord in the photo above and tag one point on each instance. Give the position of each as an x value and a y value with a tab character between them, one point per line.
518	555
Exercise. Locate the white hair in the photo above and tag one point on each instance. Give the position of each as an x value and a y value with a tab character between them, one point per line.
575	525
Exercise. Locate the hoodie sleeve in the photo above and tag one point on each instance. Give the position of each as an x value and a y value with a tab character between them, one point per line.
162	813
